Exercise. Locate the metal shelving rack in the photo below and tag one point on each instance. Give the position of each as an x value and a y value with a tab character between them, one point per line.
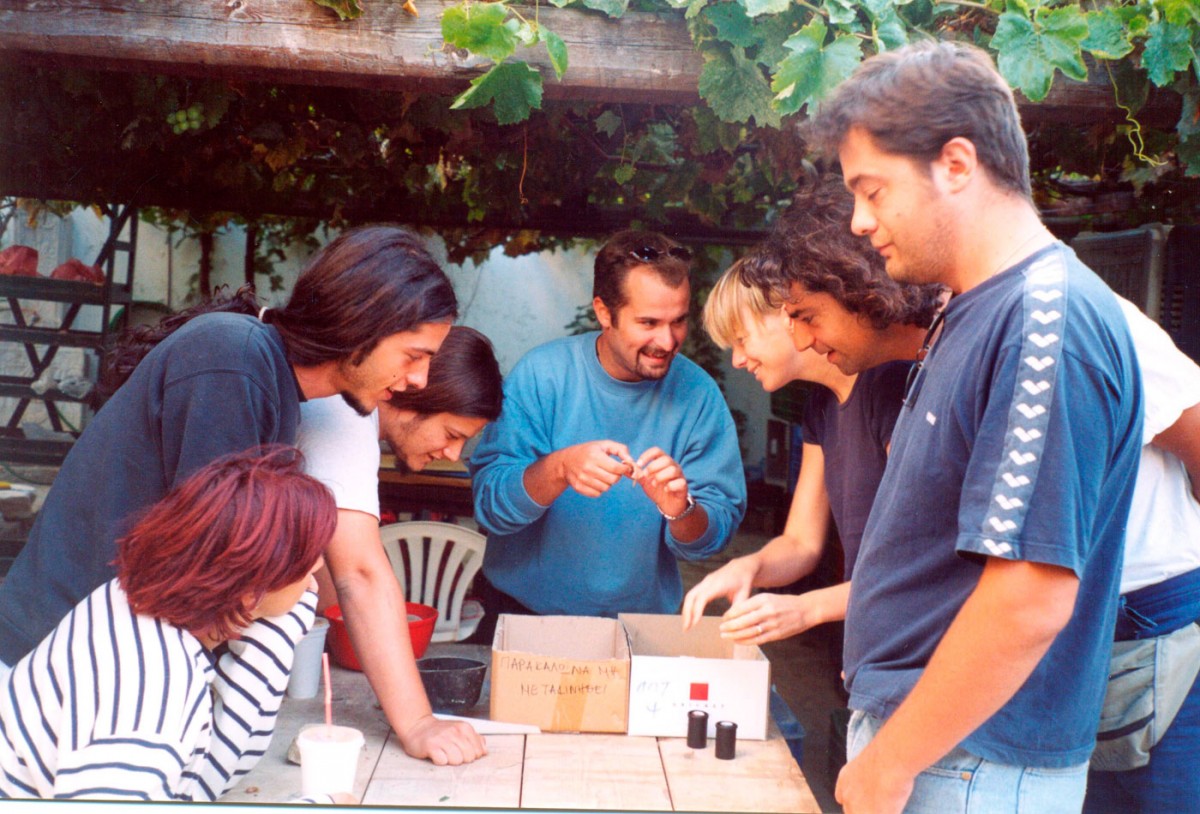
41	343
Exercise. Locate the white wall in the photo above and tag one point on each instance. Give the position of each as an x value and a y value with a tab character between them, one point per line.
518	303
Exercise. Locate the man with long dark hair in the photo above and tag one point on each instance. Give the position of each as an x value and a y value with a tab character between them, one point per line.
364	319
462	394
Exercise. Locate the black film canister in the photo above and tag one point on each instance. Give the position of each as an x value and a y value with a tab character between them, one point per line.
726	739
697	729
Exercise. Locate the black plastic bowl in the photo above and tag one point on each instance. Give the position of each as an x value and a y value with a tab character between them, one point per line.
452	684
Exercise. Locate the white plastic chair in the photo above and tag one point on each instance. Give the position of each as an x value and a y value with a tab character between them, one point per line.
435	563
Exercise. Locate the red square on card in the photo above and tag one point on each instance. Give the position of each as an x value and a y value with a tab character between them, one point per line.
699	692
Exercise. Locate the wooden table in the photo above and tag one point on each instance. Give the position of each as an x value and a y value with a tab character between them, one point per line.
548	770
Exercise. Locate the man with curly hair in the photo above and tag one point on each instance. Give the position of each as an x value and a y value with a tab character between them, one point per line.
835	289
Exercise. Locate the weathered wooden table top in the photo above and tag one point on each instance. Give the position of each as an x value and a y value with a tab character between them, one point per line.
548	770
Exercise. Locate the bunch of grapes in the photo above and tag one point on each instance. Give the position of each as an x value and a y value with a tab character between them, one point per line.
182	121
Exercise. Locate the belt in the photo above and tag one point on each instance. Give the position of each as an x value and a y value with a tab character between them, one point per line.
1159	609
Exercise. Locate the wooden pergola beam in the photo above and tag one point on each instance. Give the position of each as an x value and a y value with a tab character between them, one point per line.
640	58
637	58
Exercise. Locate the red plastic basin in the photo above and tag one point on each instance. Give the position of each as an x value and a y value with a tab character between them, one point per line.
420	630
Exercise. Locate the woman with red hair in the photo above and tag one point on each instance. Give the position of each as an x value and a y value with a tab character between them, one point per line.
164	683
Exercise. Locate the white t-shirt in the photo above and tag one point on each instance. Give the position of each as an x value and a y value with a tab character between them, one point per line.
1163	537
341	449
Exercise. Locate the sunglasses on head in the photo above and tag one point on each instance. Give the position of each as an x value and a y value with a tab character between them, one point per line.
649	254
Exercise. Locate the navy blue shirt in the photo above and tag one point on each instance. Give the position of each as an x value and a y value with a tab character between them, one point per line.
220	384
854	438
1021	440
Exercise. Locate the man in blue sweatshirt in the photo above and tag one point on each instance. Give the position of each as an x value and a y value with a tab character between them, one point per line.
612	457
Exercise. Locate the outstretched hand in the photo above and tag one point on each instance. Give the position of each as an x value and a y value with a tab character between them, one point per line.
732	581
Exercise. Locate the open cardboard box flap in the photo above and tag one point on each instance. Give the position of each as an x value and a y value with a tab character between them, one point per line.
560	673
672	672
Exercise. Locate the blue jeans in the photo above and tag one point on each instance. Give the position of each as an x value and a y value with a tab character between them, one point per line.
962	782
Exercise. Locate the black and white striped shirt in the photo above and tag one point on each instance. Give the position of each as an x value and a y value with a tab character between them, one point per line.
114	705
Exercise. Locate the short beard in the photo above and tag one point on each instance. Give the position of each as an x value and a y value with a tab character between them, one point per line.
649	374
394	440
355	405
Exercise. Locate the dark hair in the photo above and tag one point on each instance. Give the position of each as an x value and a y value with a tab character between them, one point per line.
206	554
629	249
464	379
367	284
915	99
811	244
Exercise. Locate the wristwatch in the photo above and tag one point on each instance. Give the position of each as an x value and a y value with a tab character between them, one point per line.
691	507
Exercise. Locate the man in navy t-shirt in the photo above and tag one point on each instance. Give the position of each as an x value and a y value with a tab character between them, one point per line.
981	614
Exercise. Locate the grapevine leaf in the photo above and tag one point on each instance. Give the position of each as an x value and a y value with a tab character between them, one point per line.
1139	26
345	9
1168	49
613	8
624	173
736	89
557	49
732	24
841	12
608	123
1107	37
513	88
480	29
1031	49
1189	119
1188	152
890	32
772	31
707	126
525	33
813	69
757	7
1181	12
1188	129
879	8
1065	29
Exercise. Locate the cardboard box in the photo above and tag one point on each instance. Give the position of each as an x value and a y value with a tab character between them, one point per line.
560	673
672	672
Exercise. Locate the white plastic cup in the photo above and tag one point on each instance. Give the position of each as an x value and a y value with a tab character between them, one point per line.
305	679
328	759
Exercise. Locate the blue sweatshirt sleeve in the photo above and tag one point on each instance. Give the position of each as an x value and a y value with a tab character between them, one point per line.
712	464
507	447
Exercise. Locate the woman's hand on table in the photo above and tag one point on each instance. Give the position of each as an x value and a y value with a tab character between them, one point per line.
443	743
770	617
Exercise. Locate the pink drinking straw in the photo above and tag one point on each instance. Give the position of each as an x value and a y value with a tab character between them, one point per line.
328	696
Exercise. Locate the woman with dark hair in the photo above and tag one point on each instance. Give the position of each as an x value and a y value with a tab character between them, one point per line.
164	683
